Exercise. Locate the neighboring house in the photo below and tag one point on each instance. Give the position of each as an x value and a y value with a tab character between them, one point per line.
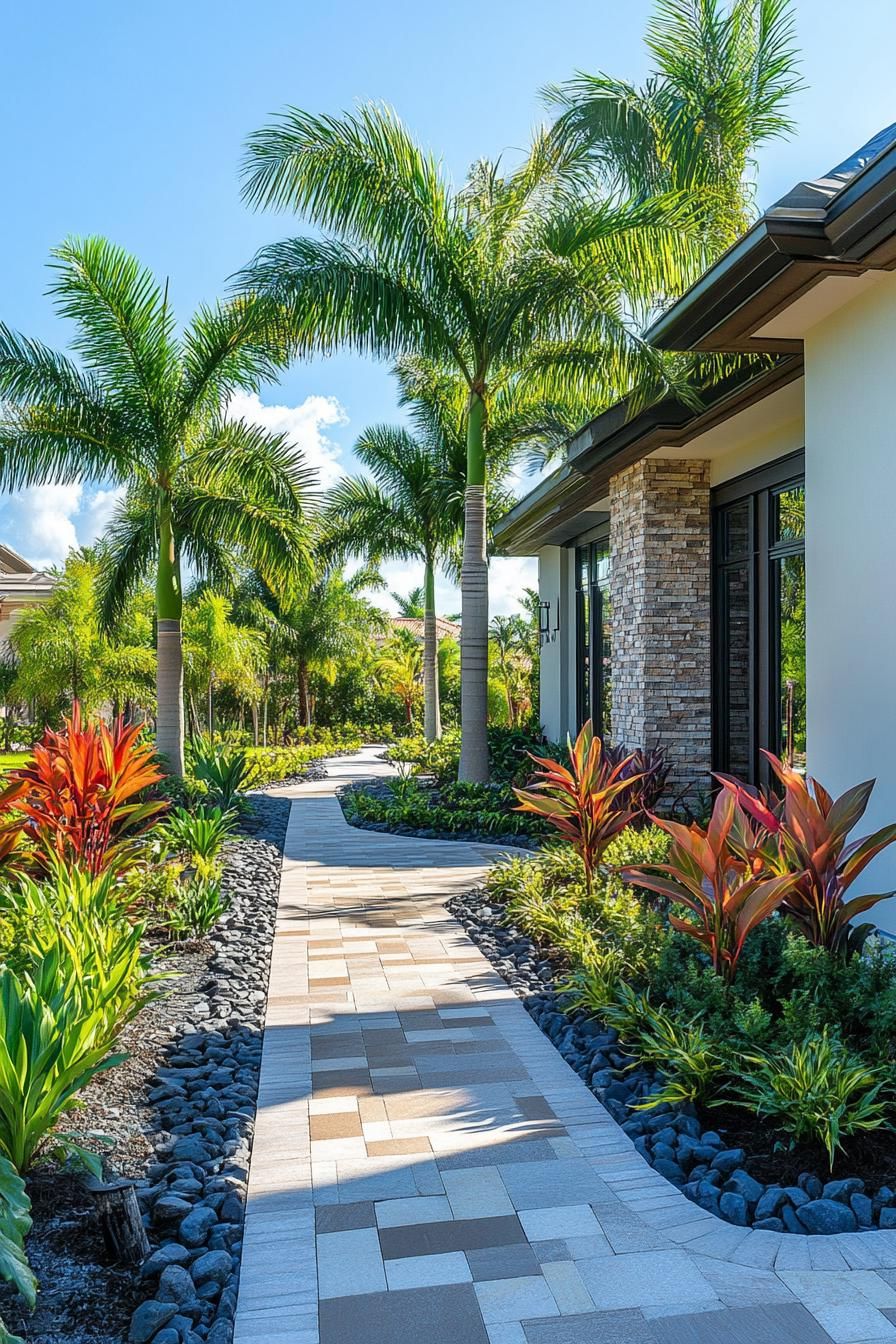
720	580
20	586
445	629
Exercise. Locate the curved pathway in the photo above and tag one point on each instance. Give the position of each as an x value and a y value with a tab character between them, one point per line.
426	1167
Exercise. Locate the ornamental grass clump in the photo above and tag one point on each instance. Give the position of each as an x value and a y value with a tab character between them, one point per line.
709	873
807	833
815	1091
584	803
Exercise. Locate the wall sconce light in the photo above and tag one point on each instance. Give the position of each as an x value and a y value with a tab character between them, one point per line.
544	622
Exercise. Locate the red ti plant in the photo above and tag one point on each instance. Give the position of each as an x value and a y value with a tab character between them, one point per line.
711	873
77	796
807	834
585	803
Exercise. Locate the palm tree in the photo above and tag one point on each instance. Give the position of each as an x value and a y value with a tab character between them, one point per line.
323	625
511	278
410	604
511	643
146	409
397	514
400	669
724	74
219	651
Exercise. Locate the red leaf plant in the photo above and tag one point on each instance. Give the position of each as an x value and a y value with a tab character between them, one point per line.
585	803
711	873
77	796
806	832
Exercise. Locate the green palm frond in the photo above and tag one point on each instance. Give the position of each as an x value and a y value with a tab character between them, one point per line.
246	457
231	346
129	547
125	329
271	539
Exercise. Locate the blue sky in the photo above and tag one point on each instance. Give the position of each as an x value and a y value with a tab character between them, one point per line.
129	119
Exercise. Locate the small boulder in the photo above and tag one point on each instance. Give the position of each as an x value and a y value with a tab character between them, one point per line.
841	1190
196	1226
170	1253
768	1225
824	1216
728	1160
810	1184
888	1217
863	1209
176	1285
671	1170
742	1183
770	1203
214	1265
733	1208
149	1319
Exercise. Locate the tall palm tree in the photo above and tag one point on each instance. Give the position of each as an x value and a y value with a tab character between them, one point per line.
146	409
509	277
400	670
724	73
410	604
397	513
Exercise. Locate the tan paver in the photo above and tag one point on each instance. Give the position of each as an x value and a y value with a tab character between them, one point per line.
426	1166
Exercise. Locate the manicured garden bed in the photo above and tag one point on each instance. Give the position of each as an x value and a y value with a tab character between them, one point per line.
713	986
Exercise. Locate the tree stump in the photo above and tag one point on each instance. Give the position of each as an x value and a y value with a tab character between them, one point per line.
119	1217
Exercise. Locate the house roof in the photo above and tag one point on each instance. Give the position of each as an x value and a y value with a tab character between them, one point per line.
445	629
20	583
842	223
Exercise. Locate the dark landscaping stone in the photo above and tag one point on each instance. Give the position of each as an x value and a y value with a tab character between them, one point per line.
841	1190
176	1285
768	1225
707	1196
733	1208
671	1170
791	1222
770	1202
826	1216
148	1319
171	1253
888	1217
863	1209
214	1265
728	1160
742	1183
810	1184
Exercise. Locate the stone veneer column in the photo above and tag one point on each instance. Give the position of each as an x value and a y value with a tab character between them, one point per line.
660	586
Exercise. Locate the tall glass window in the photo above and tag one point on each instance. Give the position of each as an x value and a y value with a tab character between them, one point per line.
593	633
759	624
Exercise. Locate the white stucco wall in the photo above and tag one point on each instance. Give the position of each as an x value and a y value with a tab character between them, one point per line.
850	559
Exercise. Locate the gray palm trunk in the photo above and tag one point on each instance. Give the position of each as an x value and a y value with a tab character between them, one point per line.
170	695
474	641
432	713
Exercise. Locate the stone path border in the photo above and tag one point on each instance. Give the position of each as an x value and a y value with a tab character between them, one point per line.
427	1166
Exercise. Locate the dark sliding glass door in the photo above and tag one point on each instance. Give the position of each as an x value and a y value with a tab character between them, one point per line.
593	624
759	620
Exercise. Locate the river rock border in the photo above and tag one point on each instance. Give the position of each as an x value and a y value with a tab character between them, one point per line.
193	1195
671	1139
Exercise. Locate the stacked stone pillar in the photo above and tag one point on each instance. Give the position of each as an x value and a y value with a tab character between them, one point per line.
660	587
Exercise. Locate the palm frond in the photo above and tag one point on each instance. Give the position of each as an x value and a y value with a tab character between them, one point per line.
129	549
230	346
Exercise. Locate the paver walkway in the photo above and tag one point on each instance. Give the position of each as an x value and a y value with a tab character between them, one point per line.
427	1168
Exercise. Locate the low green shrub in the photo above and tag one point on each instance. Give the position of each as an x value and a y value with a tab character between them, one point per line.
483	809
15	1224
199	906
816	1091
224	771
199	834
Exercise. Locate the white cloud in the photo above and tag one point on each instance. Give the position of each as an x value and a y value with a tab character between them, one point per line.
39	522
507	578
98	511
304	425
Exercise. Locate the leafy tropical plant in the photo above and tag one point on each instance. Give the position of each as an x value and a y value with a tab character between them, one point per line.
648	768
15	1224
807	834
147	409
199	906
512	285
816	1091
582	802
724	73
707	873
688	1057
224	770
79	796
200	833
400	669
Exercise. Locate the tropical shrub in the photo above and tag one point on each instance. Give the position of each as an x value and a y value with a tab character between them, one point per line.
79	796
648	768
707	872
199	905
689	1058
816	1091
583	801
15	1224
51	1045
807	833
201	833
224	771
479	809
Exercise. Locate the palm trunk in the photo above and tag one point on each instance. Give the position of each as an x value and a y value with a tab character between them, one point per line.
211	712
169	656
474	607
432	715
253	710
304	697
